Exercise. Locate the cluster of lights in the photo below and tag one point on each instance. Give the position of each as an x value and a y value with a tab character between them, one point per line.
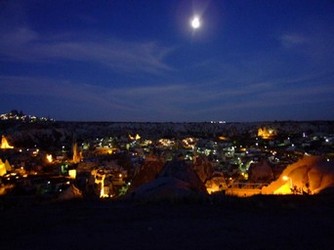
135	138
166	142
266	133
21	117
189	143
219	122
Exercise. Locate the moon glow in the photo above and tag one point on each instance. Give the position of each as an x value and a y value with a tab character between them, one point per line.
195	22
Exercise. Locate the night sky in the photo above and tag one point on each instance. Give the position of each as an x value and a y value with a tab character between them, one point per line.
141	60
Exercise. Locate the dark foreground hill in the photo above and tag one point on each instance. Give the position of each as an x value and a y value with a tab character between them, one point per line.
264	222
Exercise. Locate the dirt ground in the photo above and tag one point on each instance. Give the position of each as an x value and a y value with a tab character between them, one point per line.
289	222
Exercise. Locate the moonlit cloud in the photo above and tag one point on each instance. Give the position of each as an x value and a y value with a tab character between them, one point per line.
27	45
292	40
61	90
164	100
316	45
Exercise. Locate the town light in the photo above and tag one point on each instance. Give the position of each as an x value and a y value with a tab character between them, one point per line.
72	173
49	158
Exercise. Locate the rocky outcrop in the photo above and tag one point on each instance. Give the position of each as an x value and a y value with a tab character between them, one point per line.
261	172
311	174
148	171
176	180
203	168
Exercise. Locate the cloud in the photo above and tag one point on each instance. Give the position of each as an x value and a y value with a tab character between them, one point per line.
284	101
292	40
134	103
20	37
61	90
280	94
24	44
317	45
174	102
161	100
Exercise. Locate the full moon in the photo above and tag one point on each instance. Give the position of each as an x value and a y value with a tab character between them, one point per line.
195	22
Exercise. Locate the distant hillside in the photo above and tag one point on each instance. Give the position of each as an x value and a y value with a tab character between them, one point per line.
51	133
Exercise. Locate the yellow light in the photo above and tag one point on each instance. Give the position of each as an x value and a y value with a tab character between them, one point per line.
284	189
49	158
136	137
72	173
266	133
5	144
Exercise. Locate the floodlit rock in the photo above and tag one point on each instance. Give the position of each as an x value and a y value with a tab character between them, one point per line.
8	166
311	174
4	167
327	182
4	143
216	183
77	155
316	176
3	170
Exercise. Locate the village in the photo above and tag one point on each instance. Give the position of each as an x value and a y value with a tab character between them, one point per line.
127	165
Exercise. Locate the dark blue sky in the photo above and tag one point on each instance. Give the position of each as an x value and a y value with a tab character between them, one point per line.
140	60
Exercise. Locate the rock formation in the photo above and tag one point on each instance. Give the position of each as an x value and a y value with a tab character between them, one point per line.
311	174
176	180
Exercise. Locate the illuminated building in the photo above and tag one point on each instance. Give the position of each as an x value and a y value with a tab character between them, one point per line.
266	133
